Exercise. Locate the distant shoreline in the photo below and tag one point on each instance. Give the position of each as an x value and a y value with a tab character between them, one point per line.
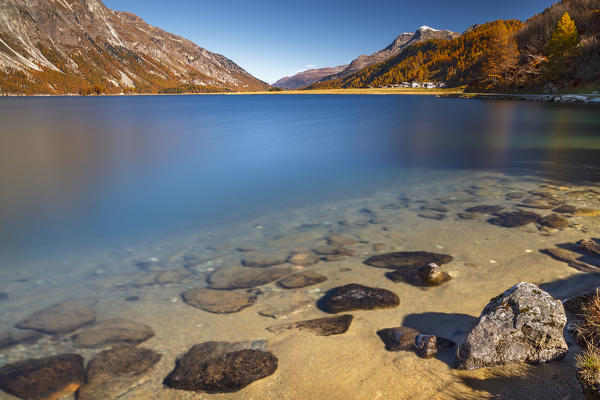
458	92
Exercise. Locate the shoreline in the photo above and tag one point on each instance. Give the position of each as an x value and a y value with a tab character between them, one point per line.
547	98
450	93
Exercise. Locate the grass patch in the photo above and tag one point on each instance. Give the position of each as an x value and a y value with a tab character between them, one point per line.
588	364
589	328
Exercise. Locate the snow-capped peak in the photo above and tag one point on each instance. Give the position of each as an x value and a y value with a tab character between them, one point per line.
427	28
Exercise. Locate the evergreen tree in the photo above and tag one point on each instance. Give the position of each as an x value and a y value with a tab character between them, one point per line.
564	40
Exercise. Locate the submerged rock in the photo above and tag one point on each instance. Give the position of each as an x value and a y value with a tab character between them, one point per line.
163	277
244	278
358	297
11	338
113	331
407	259
523	324
435	207
112	373
484	209
219	301
322	326
283	310
301	279
60	318
329	250
555	221
3	296
432	215
45	378
408	339
257	259
305	259
218	367
514	219
339	241
429	275
589	246
566	209
539	203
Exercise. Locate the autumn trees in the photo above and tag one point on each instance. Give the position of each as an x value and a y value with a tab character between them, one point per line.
501	57
561	47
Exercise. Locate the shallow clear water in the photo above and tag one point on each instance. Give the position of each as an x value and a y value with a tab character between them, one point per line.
95	171
124	203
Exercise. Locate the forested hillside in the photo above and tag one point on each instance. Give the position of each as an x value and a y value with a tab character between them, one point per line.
557	49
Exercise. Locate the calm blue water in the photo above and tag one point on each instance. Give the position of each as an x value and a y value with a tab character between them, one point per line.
95	171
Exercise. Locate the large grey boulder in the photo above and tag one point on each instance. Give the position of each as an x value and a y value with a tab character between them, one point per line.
523	324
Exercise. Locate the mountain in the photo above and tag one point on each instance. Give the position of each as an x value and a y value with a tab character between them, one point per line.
404	40
70	46
499	56
307	77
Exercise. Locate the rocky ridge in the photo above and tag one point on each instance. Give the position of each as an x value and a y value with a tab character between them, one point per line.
62	46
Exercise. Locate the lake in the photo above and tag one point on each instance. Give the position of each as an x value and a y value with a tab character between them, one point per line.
125	203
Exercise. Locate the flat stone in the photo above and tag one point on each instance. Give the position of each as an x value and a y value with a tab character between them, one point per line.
397	339
301	279
329	250
258	259
219	301
514	219
467	215
11	338
217	367
113	331
432	215
565	209
358	297
277	311
304	259
435	207
429	275
555	221
339	241
163	277
327	326
484	209
408	339
523	324
112	373
45	378
59	318
244	278
546	204
407	259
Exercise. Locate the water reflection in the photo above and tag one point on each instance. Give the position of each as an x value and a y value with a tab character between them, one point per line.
83	170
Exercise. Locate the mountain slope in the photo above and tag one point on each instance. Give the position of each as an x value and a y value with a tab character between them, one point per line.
400	43
456	61
499	56
307	77
70	46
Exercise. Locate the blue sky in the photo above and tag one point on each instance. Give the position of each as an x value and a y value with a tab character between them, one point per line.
274	38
